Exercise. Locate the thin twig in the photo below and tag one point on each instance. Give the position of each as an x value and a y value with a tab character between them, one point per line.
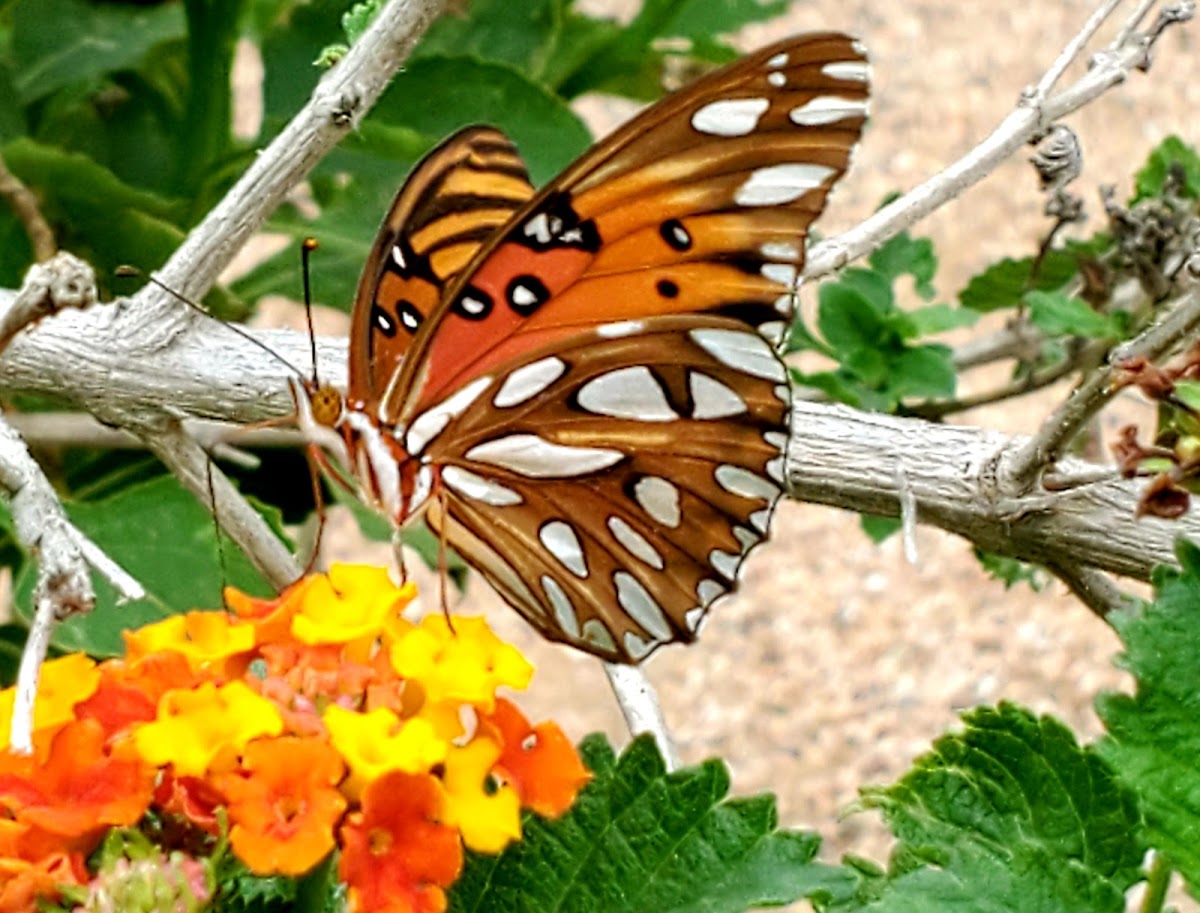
641	708
1133	22
241	522
1071	52
1093	588
28	211
1181	321
1013	132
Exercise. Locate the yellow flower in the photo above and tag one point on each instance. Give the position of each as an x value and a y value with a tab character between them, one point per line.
63	683
204	638
197	728
353	603
377	742
467	664
488	816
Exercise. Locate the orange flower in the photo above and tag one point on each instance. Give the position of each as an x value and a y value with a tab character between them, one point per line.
396	857
209	640
195	799
283	804
23	883
80	790
539	761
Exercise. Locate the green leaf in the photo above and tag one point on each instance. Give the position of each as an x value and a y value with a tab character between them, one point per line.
59	42
1149	181
940	318
847	319
1009	814
1059	314
1011	571
1003	284
639	839
923	371
1153	735
879	528
160	535
905	255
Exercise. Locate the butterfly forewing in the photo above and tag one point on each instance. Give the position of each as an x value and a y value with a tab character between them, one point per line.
594	414
454	200
702	202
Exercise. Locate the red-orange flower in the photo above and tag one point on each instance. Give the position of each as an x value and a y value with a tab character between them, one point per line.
396	857
80	790
283	804
193	798
539	761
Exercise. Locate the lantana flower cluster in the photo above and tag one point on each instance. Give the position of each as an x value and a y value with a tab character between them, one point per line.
286	729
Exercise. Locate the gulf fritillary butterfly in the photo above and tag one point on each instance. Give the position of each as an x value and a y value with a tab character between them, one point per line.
579	387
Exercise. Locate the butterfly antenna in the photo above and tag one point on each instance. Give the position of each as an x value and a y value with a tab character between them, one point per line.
306	249
132	271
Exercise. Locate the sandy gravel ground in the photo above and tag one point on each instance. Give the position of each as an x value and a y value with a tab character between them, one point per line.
838	662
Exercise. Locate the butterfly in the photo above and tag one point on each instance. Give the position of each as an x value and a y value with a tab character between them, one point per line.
579	388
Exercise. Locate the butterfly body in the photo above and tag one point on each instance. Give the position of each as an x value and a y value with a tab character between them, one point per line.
578	388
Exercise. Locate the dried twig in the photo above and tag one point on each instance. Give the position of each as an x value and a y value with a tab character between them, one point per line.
28	211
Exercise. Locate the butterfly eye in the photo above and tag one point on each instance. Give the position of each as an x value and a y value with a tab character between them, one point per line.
326	405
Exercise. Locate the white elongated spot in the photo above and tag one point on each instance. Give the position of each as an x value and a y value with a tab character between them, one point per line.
422	488
777	79
564	612
742	351
619	328
637	647
725	563
707	590
747	538
528	381
635	543
398	257
775	184
783	251
432	422
538	228
777	439
712	399
783	273
779	60
827	109
786	303
637	601
660	499
537	458
380	462
627	393
563	543
730	117
477	488
740	481
772	331
761	519
855	70
596	633
693	617
775	469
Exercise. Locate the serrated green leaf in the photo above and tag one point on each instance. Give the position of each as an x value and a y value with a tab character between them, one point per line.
1009	814
1149	180
160	535
639	839
59	42
1153	735
1003	284
905	255
1059	314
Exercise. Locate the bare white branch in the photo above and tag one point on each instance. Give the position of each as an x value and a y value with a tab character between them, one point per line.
641	708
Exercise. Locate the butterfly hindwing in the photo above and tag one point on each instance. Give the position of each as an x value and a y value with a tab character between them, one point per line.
612	500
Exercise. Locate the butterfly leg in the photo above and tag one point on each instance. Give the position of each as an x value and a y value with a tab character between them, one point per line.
443	562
